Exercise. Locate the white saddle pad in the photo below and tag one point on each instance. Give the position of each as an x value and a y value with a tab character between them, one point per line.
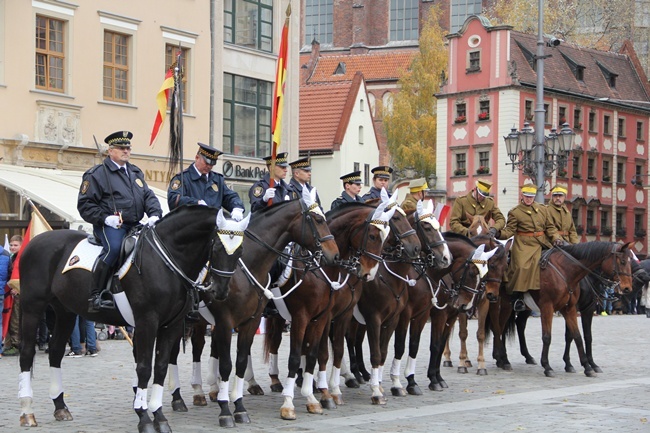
83	256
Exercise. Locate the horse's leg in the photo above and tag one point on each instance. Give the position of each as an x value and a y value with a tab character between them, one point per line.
373	328
571	317
463	362
586	318
274	327
143	348
438	338
522	318
415	332
322	356
220	360
337	337
198	344
546	310
298	325
254	388
166	339
178	405
483	307
568	338
446	353
399	348
311	342
452	314
244	342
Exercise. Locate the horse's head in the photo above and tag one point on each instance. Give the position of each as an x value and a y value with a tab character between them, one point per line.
478	225
619	266
314	234
225	253
403	238
428	230
497	264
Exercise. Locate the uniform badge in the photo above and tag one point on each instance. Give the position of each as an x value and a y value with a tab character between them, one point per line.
139	183
257	192
74	260
176	183
215	187
84	186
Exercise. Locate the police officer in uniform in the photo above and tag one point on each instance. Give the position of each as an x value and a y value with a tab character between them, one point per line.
561	217
351	190
300	177
529	223
261	192
416	193
476	202
114	197
203	186
380	179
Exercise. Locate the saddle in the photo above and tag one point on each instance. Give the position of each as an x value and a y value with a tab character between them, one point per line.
128	243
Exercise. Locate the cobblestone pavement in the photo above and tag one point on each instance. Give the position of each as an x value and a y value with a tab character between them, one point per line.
99	395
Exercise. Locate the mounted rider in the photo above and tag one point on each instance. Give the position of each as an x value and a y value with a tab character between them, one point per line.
476	202
300	178
561	216
416	192
351	190
380	179
261	192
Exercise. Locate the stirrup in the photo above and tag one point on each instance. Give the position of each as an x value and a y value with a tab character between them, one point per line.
193	316
519	305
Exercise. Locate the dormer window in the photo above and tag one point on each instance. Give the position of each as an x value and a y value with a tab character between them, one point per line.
610	77
340	69
577	69
530	57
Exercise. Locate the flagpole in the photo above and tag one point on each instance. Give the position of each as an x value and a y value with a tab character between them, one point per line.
180	117
35	209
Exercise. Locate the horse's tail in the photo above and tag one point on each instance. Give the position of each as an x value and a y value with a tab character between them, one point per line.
510	329
273	327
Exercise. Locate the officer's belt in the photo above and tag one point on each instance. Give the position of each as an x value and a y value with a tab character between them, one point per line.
563	233
531	234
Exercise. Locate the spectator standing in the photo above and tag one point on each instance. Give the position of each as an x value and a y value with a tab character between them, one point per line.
88	327
12	340
5	265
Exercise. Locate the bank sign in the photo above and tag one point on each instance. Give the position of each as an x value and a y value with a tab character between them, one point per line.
236	171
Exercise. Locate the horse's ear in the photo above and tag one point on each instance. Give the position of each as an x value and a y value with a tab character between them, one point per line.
313	194
306	197
469	217
509	243
384	195
393	198
243	224
221	220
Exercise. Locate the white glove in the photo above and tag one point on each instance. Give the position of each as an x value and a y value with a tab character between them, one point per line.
269	194
287	198
113	221
237	214
152	220
202	203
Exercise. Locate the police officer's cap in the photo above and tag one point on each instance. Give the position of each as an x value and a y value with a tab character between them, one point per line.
280	159
209	153
382	172
119	139
354	177
302	163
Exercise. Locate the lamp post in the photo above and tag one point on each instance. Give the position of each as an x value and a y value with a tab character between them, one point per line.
529	150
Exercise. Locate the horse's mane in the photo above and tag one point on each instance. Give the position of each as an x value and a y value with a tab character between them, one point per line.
500	248
270	210
458	236
345	208
589	251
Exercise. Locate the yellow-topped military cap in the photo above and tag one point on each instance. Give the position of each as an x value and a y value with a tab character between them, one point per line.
529	190
483	187
417	185
559	189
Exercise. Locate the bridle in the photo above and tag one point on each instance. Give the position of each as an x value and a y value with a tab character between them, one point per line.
396	252
430	255
353	263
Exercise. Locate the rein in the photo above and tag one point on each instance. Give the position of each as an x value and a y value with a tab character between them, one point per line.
430	256
353	263
606	281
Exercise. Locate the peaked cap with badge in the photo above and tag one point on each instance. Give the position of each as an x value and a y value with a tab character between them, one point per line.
209	153
280	159
302	163
382	172
119	139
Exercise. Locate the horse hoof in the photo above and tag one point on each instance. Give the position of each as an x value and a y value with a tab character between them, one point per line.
414	390
162	427
352	383
398	392
468	363
507	367
226	421
146	427
570	369
444	384
549	373
531	361
213	396
255	390
28	420
378	400
338	399
179	405
314	408
242	418
435	387
481	372
590	373
328	403
277	387
366	376
598	369
447	364
462	370
288	414
62	415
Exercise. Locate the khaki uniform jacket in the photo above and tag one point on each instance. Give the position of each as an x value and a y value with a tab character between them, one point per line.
459	223
410	204
561	218
533	230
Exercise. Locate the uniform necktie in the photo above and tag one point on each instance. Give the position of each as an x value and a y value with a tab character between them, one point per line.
204	178
123	170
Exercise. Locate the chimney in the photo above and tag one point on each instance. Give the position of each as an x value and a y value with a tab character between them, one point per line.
308	68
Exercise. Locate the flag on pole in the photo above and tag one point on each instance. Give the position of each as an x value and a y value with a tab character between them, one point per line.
440	212
161	100
36	226
278	90
6	245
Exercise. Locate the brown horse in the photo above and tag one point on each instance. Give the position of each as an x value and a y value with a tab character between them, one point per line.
562	270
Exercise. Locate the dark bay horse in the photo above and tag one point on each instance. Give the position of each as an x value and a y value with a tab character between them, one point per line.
164	267
270	230
562	270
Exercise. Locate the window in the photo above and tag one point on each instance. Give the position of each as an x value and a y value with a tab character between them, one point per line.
606	125
249	23
621	127
360	134
473	61
639	230
356	167
318	21
116	67
361	105
404	20
247	116
575	216
639	131
461	110
461	9
529	113
592	121
604	222
483	162
366	173
484	110
170	58
620	221
620	172
577	163
461	164
607	175
591	164
547	114
50	54
577	118
590	220
561	112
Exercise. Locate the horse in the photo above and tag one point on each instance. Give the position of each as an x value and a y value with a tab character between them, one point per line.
168	262
562	269
270	230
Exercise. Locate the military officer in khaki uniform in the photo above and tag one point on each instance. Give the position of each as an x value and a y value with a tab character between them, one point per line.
416	192
476	202
560	215
529	223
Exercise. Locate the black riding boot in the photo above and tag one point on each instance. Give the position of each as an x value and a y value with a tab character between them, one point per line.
100	276
193	316
518	303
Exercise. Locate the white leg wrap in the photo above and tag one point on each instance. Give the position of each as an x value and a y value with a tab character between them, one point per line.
26	406
380	373
249	374
25	385
288	387
335	380
213	374
374	382
140	400
135	376
273	364
395	367
307	385
56	382
237	390
345	370
410	367
174	380
303	362
196	374
223	391
155	402
322	380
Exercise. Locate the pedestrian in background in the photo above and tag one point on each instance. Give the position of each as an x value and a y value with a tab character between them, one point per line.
12	339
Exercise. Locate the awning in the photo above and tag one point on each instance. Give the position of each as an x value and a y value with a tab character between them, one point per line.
56	190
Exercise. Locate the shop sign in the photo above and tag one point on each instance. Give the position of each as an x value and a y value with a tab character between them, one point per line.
237	171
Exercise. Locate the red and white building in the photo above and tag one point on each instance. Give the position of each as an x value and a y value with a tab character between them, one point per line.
491	89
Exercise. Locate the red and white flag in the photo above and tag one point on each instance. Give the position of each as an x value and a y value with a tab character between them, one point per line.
441	212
